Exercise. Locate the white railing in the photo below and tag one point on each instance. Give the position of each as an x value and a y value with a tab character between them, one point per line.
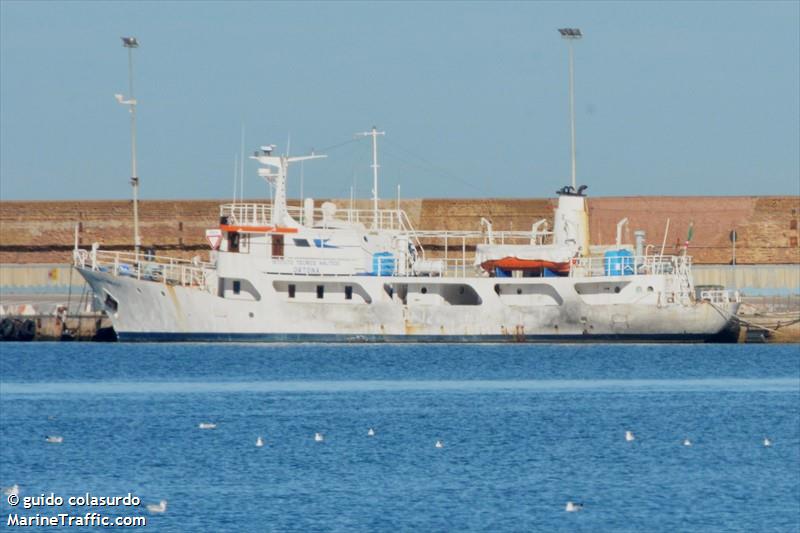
261	215
720	296
167	270
631	265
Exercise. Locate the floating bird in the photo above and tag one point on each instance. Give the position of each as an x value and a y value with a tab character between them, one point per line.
371	432
13	490
259	442
207	425
767	442
54	439
318	437
687	442
159	507
629	436
573	507
439	444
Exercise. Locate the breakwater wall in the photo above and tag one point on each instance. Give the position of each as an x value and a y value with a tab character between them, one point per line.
766	226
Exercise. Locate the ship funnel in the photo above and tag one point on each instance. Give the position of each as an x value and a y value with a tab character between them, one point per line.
571	220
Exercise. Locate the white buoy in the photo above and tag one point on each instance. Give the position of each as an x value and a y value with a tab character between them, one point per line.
54	439
318	437
629	436
370	432
767	442
259	442
687	442
573	507
207	425
439	444
159	507
13	490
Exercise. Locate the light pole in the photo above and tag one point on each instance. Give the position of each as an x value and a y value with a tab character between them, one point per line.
570	35
130	43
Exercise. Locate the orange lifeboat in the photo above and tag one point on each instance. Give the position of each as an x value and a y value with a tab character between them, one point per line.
527	265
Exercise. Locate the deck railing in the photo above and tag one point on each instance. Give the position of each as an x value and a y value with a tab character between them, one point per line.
261	215
167	270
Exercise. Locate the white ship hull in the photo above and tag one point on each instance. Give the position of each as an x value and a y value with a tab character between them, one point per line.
410	309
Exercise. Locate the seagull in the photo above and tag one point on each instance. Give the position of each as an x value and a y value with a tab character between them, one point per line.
629	436
439	444
160	507
13	490
54	439
207	425
318	437
687	442
767	442
573	507
259	442
371	432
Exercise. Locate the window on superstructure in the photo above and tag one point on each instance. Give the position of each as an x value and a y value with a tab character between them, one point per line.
320	291
292	290
301	243
277	245
233	242
237	287
348	292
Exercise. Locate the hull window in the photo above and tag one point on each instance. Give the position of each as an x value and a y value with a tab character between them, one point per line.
111	303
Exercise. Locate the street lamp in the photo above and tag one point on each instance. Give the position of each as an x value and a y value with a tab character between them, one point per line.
570	35
130	43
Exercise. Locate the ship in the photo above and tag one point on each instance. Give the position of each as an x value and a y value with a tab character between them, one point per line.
326	273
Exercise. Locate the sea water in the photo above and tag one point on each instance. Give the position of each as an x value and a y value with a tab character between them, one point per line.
524	428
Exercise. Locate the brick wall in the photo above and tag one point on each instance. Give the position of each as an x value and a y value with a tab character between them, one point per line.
767	226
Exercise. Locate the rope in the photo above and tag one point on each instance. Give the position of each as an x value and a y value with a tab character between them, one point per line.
339	145
739	320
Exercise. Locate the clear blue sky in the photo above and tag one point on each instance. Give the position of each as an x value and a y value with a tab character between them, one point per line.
673	98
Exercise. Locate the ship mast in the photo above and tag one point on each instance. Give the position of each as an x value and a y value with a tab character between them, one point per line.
374	134
275	172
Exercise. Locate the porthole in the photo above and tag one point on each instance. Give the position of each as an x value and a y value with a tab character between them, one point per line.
650	289
251	315
519	291
617	289
424	290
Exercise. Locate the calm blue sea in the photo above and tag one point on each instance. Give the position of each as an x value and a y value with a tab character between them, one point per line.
525	429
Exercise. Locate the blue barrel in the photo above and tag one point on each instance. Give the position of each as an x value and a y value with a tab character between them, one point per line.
618	263
383	264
